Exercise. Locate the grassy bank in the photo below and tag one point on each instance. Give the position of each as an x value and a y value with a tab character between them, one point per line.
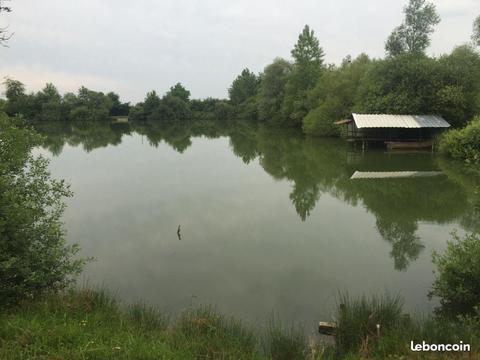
87	324
92	325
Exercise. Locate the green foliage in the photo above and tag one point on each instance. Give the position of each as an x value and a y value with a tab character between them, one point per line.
90	324
90	105
357	320
458	95
33	254
334	97
223	111
15	93
307	69
49	104
180	92
272	90
284	342
320	121
170	109
307	51
457	273
476	32
463	144
413	36
118	108
243	87
416	84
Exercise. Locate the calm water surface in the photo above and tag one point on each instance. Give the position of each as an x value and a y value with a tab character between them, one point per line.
269	220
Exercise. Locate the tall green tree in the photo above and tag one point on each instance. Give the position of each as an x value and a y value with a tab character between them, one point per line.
118	108
151	103
179	91
413	36
16	96
272	91
308	66
243	87
476	32
34	256
48	104
307	51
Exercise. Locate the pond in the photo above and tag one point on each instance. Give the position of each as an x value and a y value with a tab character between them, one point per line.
254	220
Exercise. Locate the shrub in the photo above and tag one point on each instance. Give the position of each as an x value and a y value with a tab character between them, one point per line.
463	144
457	277
358	318
320	121
33	254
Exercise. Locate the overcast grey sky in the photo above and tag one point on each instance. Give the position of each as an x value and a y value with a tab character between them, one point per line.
131	47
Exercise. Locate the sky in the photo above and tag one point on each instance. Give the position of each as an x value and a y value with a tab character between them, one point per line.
131	47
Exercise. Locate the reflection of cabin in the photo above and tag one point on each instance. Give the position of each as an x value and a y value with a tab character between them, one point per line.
392	174
396	131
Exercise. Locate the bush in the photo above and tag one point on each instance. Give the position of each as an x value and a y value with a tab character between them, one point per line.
463	144
320	121
358	319
33	254
457	277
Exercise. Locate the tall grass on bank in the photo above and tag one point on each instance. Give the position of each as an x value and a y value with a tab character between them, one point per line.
377	327
90	324
87	324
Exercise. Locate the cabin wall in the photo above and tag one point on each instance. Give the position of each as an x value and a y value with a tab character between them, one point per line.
391	134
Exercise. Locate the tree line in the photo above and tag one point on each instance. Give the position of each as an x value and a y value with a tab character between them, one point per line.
310	94
304	92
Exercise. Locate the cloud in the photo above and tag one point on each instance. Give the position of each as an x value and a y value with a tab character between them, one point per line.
35	78
136	46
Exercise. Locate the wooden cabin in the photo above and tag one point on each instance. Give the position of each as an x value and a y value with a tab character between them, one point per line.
395	131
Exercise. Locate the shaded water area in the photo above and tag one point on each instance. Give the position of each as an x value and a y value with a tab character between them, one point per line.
270	221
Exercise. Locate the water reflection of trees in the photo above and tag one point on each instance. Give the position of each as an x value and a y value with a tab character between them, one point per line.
315	167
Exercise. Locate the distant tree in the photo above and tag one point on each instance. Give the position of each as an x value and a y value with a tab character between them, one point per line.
16	96
308	66
243	87
307	51
412	84
118	108
413	36
137	112
4	35
90	106
151	103
272	91
476	32
48	104
180	92
171	109
223	111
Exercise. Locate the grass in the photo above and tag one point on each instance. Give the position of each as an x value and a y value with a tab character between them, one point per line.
359	337
91	324
87	324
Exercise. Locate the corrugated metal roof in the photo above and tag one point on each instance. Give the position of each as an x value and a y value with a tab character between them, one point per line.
392	174
399	121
